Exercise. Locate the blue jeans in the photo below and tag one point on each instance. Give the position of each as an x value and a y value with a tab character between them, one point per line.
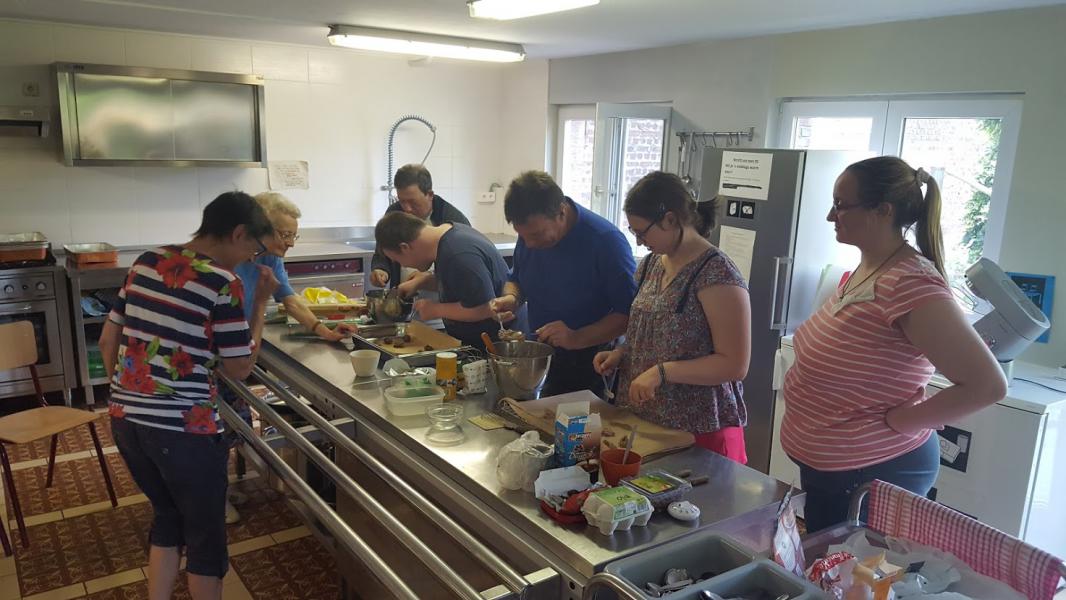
829	492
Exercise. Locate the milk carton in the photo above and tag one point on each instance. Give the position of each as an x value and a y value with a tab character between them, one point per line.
571	429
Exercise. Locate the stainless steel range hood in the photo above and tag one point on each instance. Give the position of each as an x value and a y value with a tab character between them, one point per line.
133	116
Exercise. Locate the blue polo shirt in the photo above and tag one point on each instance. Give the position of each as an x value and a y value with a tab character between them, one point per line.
580	280
249	275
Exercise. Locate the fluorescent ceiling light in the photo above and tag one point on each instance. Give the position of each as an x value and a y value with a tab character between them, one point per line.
423	44
516	9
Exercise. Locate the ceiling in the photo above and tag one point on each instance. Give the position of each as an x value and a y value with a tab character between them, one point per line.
613	25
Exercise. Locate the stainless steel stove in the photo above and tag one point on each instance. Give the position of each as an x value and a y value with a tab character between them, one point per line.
36	291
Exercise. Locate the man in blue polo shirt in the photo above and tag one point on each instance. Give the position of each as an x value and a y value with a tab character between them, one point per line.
575	270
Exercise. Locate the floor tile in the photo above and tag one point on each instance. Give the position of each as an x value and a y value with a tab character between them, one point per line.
77	511
291	534
298	570
257	543
64	593
139	591
7	565
111	581
9	587
36	519
75	483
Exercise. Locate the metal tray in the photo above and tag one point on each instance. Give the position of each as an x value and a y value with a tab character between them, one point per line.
93	248
34	240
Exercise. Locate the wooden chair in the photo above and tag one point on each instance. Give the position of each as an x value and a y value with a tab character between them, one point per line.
18	348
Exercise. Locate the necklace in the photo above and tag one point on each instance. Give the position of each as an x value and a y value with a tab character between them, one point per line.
847	284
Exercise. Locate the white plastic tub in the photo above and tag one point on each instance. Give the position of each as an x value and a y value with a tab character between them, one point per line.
405	401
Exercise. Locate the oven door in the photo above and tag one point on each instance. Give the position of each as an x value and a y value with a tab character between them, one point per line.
45	319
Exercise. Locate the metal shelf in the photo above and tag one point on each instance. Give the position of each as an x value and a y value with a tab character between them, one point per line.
93	320
99	380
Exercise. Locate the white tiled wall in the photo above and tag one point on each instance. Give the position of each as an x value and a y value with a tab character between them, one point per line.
327	106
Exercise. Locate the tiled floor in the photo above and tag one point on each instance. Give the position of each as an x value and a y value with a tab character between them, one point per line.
82	547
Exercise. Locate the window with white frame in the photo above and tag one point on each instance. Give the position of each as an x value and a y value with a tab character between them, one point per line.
603	149
966	144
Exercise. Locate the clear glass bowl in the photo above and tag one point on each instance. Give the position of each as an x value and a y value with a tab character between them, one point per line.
444	422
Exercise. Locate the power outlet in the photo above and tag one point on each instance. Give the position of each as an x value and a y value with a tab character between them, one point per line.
31	89
486	198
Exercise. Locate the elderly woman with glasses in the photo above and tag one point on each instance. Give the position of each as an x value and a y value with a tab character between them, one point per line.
689	336
283	214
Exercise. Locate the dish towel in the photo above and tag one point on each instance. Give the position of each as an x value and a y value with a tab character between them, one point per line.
898	513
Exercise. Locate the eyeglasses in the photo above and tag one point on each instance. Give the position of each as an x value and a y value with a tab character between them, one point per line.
839	208
262	248
287	236
643	232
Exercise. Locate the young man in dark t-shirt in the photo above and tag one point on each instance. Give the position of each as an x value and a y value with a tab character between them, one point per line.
469	273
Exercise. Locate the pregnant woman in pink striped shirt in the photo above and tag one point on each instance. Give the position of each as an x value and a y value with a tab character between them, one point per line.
855	403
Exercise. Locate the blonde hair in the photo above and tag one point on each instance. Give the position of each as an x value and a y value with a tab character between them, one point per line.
274	203
890	179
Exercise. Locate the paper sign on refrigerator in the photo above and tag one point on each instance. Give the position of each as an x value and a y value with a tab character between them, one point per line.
745	175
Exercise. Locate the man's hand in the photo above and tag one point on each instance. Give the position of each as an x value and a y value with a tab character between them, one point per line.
604	363
408	288
559	335
379	278
342	331
266	286
643	388
427	309
504	307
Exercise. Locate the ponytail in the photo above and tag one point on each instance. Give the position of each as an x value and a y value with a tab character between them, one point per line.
889	179
928	233
706	216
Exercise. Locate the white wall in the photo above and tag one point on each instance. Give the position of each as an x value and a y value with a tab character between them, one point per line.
737	83
331	107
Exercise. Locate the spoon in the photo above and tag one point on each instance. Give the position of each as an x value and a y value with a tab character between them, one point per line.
629	444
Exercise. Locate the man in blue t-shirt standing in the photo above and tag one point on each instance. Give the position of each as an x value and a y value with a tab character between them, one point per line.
469	273
575	271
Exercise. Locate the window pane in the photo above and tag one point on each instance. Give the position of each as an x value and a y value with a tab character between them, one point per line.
642	153
576	181
961	154
831	133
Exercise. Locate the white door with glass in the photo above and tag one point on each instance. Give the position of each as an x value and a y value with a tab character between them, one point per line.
966	144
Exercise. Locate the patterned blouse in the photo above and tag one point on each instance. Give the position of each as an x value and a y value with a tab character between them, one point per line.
657	333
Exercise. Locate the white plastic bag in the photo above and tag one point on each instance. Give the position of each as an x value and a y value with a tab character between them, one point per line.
519	462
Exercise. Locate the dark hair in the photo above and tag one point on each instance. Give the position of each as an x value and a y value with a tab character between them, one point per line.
413	174
659	192
890	179
530	194
229	210
397	228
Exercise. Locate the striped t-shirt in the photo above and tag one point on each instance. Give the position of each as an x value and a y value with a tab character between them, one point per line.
854	364
180	313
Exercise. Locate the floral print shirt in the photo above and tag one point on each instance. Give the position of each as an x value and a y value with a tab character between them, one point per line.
180	313
658	333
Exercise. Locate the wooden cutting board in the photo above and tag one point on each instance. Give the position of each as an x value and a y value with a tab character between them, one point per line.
652	439
422	335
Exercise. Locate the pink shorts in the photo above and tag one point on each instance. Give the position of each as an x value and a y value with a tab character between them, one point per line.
728	442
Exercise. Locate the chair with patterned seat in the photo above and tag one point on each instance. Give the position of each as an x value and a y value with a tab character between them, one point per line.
18	349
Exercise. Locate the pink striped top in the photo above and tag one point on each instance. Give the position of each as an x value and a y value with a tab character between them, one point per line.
853	364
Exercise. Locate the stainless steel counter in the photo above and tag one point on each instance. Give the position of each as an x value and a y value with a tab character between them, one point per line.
737	500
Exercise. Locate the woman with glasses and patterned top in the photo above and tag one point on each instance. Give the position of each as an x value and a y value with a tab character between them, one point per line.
855	402
283	214
688	342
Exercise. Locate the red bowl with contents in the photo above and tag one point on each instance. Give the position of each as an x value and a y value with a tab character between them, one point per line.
614	469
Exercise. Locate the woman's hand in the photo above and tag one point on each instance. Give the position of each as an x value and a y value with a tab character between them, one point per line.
643	388
343	330
606	362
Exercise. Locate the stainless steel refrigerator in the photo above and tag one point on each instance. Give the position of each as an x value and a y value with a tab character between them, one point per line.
772	213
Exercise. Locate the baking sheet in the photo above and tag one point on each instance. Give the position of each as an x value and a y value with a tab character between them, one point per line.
422	335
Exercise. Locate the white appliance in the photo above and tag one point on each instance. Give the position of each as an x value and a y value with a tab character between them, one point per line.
998	465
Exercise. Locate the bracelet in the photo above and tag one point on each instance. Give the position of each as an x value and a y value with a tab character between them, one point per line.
662	375
315	326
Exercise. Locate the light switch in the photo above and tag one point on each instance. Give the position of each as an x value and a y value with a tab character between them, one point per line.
486	198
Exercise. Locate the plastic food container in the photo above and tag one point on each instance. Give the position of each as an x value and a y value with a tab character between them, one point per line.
406	402
617	509
660	487
99	252
703	554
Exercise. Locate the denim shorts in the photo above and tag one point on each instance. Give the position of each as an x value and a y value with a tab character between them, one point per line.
184	477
